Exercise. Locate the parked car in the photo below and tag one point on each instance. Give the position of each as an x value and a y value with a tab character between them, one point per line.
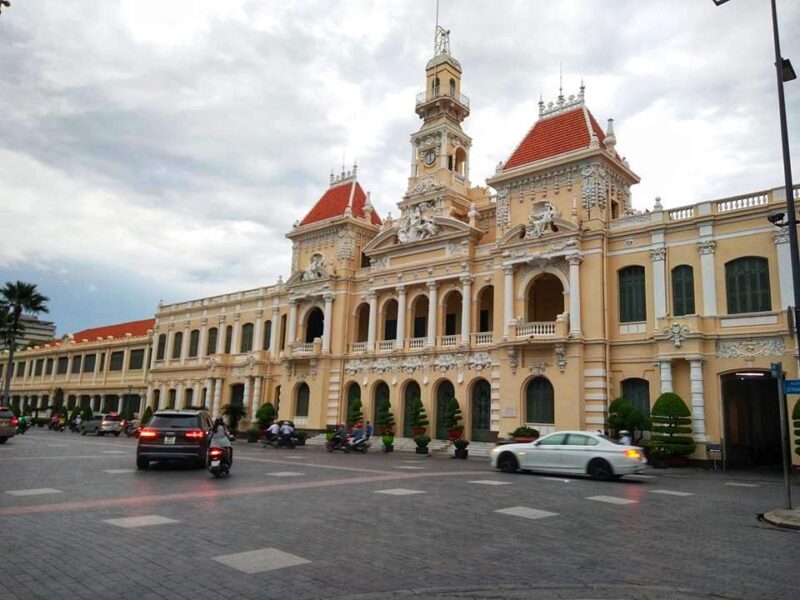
571	452
181	435
8	424
102	423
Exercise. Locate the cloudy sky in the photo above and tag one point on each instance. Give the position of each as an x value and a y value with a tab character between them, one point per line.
154	149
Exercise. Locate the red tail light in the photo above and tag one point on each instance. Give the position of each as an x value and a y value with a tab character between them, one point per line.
215	452
14	421
148	433
194	434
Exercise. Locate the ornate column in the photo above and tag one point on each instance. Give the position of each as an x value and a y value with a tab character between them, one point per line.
209	399
273	332
508	299
246	398
163	397
256	398
326	325
781	239
433	288
401	317
196	400
220	336
666	375
258	343
443	151
698	400
217	397
185	344
292	325
235	335
373	320
574	261
466	308
658	257
708	276
148	397
202	341
120	400
179	387
168	349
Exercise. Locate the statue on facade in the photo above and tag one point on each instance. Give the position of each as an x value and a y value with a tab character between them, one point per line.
415	227
315	268
541	220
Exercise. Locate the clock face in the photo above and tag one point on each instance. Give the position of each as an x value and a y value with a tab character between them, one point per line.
430	157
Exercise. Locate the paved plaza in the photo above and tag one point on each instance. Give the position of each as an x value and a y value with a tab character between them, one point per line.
79	521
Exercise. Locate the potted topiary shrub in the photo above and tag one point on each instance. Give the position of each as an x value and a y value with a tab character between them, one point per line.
252	435
461	448
384	418
388	442
525	434
623	416
301	436
330	431
265	415
419	421
354	414
422	442
671	419
452	420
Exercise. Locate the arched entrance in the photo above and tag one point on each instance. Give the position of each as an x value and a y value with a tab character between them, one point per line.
539	402
353	399
444	393
545	298
452	313
419	310
237	400
751	417
481	411
315	324
362	322
410	396
301	402
380	398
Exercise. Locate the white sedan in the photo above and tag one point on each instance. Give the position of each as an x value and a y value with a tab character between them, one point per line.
572	452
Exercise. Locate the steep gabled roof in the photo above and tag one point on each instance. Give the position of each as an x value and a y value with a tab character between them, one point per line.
135	328
336	199
554	135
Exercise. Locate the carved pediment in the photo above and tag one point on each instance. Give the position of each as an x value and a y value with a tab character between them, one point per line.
540	226
420	232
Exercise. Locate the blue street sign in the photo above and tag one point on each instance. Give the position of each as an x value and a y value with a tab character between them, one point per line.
791	386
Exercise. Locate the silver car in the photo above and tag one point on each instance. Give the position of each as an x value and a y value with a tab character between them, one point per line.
571	452
102	424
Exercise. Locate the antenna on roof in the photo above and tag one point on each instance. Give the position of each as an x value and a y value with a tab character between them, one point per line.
560	82
436	27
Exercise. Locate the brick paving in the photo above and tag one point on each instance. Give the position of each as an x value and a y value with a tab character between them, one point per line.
448	542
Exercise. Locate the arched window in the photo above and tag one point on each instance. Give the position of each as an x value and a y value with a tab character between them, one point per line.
632	305
435	86
747	285
637	392
247	338
160	349
381	399
301	405
410	395
444	393
452	88
315	324
194	342
177	344
682	290
211	344
481	411
267	334
539	405
228	338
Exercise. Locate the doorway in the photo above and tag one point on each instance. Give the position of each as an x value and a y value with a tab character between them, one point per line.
752	420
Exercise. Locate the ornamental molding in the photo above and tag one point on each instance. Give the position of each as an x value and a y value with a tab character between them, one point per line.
454	248
575	258
677	333
445	362
355	366
541	220
384	365
706	247
502	215
425	184
540	263
594	186
750	348
376	264
415	227
781	237
346	245
513	360
479	361
537	369
561	356
658	254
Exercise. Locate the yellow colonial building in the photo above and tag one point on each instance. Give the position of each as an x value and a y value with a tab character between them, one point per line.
535	300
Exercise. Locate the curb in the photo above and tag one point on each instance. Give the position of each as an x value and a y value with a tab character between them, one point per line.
782	517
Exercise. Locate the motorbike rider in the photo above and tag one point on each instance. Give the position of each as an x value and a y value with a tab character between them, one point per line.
286	432
272	431
625	437
220	438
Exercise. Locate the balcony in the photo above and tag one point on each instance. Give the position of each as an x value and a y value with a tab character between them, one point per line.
536	329
386	345
448	341
436	94
482	338
416	343
358	347
306	348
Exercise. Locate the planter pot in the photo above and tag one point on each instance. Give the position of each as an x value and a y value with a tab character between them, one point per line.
418	431
462	453
389	448
421	450
454	434
659	463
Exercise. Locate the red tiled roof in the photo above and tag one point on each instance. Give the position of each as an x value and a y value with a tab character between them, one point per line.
555	135
334	202
135	328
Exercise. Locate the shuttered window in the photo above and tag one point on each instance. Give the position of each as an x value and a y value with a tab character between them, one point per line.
682	290
747	285
632	303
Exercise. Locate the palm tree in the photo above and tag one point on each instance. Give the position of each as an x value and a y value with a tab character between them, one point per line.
16	298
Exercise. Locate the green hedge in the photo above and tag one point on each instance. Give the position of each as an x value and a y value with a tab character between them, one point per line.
671	418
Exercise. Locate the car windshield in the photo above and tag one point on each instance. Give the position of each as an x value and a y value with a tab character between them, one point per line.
177	421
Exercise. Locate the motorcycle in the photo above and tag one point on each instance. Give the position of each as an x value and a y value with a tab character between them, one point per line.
338	442
218	463
278	441
132	429
23	427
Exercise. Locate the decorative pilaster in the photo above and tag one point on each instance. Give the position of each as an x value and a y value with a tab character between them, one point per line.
666	375
781	239
273	333
217	397
575	261
221	336
202	342
658	257
292	325
235	335
256	397
698	400
209	399
257	343
326	326
401	317
246	398
708	276
466	308
433	301
373	320
508	299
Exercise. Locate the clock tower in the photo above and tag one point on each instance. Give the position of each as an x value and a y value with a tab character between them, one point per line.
440	149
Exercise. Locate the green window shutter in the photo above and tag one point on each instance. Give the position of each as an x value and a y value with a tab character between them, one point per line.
747	285
632	303
682	290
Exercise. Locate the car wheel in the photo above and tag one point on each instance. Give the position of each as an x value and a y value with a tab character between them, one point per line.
600	469
3	440
507	463
100	433
142	463
83	431
616	477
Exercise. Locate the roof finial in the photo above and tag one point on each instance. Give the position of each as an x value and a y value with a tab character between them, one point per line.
355	168
583	89
610	140
541	104
560	83
332	176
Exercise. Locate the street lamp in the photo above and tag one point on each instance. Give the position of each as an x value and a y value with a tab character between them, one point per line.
783	73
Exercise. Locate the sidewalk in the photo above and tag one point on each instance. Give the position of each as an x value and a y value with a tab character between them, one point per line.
783	517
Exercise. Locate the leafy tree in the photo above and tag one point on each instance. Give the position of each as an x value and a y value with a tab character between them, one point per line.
671	418
16	298
385	418
354	414
796	419
452	415
265	414
148	414
75	412
622	415
235	412
86	414
419	418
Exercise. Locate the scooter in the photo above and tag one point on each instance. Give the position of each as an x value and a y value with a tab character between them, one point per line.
218	464
338	443
279	441
132	429
360	445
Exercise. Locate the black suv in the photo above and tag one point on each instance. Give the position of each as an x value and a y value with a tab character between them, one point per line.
175	435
